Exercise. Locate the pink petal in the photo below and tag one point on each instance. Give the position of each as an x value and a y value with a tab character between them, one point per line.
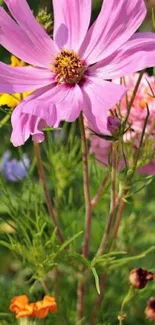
100	96
25	125
18	44
43	44
69	109
55	103
116	23
148	169
42	102
71	21
37	109
20	79
137	54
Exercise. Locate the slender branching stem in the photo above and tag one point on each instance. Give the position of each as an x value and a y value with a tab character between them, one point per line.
99	297
45	286
51	209
134	94
88	221
5	120
88	208
81	301
113	175
114	201
98	300
100	190
119	215
113	204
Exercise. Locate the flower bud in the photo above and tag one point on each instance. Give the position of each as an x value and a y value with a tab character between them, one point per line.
150	309
45	19
139	278
113	125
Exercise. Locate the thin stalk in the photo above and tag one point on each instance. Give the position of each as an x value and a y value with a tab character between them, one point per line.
113	204
114	201
88	221
141	139
45	286
98	300
51	209
134	94
122	202
81	301
100	190
5	120
88	209
119	215
113	175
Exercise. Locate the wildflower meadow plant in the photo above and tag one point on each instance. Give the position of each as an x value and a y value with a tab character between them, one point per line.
76	212
70	72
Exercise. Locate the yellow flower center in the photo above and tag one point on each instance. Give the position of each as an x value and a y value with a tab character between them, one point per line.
68	67
142	103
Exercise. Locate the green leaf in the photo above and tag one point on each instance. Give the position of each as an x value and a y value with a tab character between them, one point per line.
106	257
127	260
97	283
69	241
80	258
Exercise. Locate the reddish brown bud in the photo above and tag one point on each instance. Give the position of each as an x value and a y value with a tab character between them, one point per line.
139	278
150	309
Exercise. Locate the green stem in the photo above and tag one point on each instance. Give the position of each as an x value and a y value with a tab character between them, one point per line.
51	209
5	120
126	299
100	190
119	215
141	139
88	222
134	95
86	183
114	201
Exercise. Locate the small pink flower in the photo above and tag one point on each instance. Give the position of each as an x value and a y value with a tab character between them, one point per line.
70	73
102	148
138	111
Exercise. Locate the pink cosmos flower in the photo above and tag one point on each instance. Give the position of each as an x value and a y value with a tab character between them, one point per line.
101	148
70	72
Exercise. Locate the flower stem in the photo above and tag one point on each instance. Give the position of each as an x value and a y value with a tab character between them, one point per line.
51	209
134	94
98	300
88	209
114	201
5	120
45	286
88	221
100	190
119	215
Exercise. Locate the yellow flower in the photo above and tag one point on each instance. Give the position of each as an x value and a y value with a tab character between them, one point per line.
14	99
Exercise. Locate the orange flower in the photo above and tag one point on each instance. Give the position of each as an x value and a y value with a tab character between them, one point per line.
20	305
43	307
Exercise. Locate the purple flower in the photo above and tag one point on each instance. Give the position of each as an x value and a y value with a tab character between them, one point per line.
113	125
70	73
14	170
